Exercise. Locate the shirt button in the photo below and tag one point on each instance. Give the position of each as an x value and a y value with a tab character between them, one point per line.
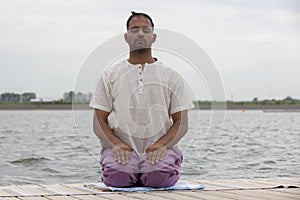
141	79
140	73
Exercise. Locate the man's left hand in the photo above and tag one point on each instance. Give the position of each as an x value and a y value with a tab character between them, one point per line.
156	152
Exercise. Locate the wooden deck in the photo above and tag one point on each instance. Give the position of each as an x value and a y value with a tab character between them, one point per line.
244	189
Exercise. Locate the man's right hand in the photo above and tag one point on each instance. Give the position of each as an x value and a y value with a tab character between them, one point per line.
121	153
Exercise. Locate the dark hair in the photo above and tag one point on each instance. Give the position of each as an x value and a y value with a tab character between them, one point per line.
135	14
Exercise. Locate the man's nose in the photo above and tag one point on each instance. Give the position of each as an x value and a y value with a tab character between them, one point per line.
140	33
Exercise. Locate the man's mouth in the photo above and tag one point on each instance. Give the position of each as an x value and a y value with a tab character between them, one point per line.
140	41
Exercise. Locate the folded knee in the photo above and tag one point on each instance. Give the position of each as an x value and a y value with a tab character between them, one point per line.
159	178
119	179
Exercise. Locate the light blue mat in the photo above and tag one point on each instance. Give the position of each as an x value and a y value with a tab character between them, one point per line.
180	185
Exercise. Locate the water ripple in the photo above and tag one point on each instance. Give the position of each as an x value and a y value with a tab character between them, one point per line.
29	161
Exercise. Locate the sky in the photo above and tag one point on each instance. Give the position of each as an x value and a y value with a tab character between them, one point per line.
255	45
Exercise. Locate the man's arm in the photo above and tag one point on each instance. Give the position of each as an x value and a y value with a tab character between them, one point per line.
102	129
121	151
179	128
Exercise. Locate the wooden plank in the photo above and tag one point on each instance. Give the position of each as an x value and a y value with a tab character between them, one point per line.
222	195
26	190
248	183
261	194
117	196
242	184
211	185
222	185
293	180
91	197
237	184
290	190
205	195
12	190
172	195
266	182
32	198
80	186
144	196
276	181
35	189
4	193
60	197
282	194
63	190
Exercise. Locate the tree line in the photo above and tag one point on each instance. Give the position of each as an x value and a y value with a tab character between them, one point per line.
27	97
80	97
286	101
77	97
14	97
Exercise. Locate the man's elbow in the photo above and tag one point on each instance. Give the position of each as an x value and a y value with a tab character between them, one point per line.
95	128
183	126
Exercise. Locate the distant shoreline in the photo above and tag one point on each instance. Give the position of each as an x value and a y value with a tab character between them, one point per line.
288	108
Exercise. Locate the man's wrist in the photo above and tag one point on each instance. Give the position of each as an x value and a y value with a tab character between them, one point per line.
117	143
163	143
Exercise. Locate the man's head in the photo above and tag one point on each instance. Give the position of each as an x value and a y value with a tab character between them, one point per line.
135	14
139	31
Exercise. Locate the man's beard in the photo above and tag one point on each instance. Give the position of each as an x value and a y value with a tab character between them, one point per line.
140	48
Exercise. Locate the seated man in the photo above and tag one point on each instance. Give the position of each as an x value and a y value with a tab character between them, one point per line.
140	114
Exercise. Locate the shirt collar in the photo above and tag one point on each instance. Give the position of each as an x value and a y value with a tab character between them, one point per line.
146	64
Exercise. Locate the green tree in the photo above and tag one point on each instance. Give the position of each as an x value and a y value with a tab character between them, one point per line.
255	100
10	97
69	96
27	96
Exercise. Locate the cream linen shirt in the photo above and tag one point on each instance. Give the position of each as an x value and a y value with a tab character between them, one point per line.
141	102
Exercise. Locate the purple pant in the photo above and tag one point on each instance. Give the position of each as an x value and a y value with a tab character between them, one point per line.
139	172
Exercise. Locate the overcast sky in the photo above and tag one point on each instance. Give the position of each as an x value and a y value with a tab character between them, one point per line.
254	44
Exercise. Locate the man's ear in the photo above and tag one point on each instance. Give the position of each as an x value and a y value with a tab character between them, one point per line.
125	37
154	38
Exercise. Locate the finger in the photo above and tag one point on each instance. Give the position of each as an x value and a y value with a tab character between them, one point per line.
127	156
122	155
118	156
154	154
158	155
150	156
162	155
115	155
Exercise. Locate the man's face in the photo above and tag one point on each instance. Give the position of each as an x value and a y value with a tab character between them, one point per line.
140	34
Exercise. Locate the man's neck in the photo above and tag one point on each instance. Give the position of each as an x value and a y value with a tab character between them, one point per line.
140	57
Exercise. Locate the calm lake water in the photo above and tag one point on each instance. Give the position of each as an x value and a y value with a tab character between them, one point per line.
45	147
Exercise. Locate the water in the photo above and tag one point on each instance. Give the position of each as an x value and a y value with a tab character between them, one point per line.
45	147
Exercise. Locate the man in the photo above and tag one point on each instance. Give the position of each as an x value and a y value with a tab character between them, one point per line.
140	114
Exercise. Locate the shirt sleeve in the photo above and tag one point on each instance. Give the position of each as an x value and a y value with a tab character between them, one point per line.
102	98
181	98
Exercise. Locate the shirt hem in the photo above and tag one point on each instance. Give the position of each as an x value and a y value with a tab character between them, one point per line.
181	109
100	107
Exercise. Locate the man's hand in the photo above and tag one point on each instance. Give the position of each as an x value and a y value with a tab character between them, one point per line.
121	153
156	152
